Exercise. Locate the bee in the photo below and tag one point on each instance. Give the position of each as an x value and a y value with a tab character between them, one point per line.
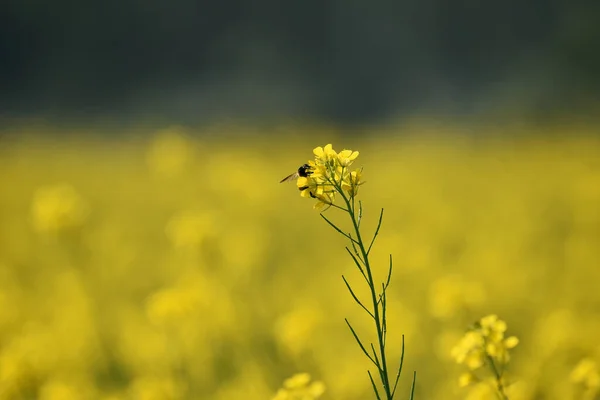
304	170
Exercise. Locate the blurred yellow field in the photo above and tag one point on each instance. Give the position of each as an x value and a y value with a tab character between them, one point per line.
177	267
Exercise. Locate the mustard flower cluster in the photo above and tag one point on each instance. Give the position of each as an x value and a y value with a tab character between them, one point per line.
329	174
485	344
300	387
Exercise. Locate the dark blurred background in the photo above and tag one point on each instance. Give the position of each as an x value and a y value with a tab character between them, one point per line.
347	61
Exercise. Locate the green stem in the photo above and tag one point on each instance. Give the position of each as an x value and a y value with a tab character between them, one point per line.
377	317
498	376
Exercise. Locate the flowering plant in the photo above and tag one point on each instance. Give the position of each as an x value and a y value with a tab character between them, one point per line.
485	345
329	177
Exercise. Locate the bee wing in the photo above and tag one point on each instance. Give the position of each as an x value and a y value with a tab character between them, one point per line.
290	177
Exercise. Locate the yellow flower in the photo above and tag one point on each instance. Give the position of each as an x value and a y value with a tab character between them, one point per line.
324	155
352	181
328	174
466	379
346	157
281	394
297	381
315	188
484	344
309	187
511	342
470	350
586	373
300	387
323	200
493	327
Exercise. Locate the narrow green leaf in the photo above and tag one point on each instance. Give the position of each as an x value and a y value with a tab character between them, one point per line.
356	298
383	314
389	277
412	389
360	213
387	283
380	367
360	343
356	253
357	264
399	368
337	229
374	386
376	231
378	364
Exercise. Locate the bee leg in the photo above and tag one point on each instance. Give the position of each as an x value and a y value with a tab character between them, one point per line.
301	188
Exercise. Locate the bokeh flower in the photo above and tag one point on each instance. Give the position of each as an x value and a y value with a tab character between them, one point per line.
300	387
586	375
131	303
470	350
485	344
466	378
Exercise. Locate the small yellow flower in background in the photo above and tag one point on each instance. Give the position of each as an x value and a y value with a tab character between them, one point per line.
58	208
297	381
485	344
16	374
586	375
300	387
465	379
470	350
493	327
